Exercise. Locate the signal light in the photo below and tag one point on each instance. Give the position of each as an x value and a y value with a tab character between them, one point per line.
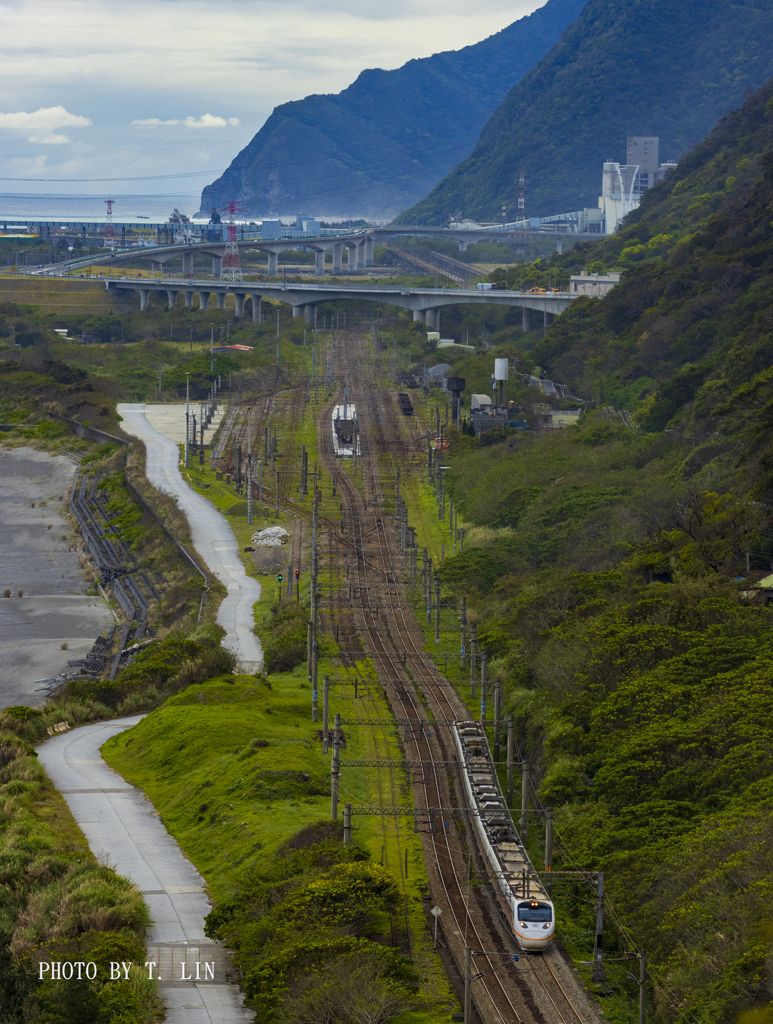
279	576
297	573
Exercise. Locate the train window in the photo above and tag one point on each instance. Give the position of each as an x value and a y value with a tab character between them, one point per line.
535	911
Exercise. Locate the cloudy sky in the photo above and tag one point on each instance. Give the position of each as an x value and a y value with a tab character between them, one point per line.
109	89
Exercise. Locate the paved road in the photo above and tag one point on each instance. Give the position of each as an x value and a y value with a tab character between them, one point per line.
211	534
123	828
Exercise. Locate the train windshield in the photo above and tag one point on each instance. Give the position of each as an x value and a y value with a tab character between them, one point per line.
535	911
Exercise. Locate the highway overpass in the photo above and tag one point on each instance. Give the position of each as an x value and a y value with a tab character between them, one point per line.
424	303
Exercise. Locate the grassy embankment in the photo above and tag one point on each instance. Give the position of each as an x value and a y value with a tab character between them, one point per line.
58	903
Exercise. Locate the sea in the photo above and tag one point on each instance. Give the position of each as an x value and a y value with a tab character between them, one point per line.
18	206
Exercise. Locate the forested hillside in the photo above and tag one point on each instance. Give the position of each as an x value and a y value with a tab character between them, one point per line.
617	576
623	68
383	142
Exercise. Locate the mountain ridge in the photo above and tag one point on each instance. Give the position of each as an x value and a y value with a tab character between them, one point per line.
356	152
620	69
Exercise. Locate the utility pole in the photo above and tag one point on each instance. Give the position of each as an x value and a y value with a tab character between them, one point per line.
187	418
463	630
347	824
524	822
597	974
548	847
510	759
212	350
249	470
334	771
325	712
497	702
483	666
642	989
473	655
437	610
467	985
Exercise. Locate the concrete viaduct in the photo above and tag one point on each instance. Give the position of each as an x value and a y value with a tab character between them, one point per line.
359	245
425	303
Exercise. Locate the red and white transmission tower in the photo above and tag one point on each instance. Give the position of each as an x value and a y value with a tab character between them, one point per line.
232	268
109	237
521	194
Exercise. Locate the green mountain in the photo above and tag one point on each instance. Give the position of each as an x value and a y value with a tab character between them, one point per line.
389	137
625	67
616	574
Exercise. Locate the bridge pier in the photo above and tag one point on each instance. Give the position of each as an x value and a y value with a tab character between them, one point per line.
239	304
420	316
220	297
273	264
298	311
433	320
319	263
156	266
337	247
255	308
188	298
352	251
549	317
369	251
559	245
526	321
171	297
310	312
217	266
144	297
187	264
463	246
203	300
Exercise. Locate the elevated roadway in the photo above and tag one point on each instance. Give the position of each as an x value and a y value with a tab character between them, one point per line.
425	303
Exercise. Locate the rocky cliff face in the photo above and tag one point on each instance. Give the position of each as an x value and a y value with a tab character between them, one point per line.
384	142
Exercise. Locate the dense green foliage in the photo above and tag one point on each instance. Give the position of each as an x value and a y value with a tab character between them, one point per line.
58	903
306	926
623	68
383	142
607	571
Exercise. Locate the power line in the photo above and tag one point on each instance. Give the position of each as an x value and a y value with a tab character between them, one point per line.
147	177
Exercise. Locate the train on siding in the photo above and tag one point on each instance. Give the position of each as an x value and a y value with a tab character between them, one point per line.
522	897
346	437
406	405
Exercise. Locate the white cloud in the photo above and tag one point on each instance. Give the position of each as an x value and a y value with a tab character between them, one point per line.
44	119
209	121
152	122
50	140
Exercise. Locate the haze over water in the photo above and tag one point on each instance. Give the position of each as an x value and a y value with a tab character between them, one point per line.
71	207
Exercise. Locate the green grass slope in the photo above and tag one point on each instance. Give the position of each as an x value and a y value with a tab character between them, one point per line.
236	770
623	68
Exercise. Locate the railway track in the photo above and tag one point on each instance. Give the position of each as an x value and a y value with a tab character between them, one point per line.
530	990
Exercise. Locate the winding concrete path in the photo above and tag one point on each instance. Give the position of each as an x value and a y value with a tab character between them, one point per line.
211	533
123	829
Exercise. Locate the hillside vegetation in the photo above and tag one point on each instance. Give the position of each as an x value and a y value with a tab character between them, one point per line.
612	573
383	142
623	68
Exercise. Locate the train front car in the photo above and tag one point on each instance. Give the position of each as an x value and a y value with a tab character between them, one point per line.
522	898
345	434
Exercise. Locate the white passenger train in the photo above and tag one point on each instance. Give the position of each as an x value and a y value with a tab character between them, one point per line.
346	437
524	900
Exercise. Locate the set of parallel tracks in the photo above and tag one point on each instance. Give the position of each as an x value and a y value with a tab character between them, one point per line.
380	624
529	992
